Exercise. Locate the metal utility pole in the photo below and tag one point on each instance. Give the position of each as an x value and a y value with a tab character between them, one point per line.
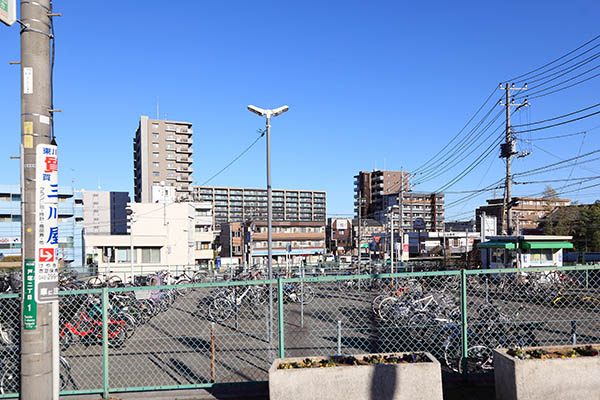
392	241
508	150
37	344
268	114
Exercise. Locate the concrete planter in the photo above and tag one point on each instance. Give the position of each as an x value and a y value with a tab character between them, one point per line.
360	382
549	379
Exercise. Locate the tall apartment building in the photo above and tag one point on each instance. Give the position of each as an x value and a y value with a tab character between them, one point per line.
162	153
70	224
104	212
244	204
371	187
526	211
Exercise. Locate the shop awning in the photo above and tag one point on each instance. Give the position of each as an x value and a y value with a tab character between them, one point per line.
496	245
546	245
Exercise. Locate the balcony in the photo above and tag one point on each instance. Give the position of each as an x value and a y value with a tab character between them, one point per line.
182	140
184	178
184	150
182	188
185	169
185	131
171	167
185	160
170	138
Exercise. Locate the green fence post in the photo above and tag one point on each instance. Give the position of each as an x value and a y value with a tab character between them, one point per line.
463	318
105	383
280	317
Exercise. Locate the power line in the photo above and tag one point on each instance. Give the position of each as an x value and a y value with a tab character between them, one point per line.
262	133
559	123
559	117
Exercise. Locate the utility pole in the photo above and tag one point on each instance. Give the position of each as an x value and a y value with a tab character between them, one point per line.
508	150
38	309
359	233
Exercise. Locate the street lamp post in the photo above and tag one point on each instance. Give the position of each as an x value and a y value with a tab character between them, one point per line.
268	114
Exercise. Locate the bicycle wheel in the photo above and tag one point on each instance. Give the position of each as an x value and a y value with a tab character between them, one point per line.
10	378
95	282
182	291
114	281
590	303
452	351
307	294
117	335
220	309
480	359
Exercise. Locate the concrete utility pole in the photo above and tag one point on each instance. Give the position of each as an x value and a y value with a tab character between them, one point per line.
508	150
36	117
359	233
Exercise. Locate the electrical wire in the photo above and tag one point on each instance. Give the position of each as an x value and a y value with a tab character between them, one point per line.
235	159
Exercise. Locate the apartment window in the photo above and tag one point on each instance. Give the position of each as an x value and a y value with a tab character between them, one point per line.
155	155
16	218
156	165
155	136
155	126
155	145
156	173
169	146
169	165
151	255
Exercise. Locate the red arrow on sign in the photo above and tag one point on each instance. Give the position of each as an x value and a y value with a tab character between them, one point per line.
46	255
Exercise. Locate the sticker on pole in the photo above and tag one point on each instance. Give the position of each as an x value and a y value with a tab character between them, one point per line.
46	224
29	304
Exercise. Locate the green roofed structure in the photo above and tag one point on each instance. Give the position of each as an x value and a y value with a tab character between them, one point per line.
523	251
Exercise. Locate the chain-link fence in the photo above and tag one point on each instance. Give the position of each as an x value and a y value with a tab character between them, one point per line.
196	335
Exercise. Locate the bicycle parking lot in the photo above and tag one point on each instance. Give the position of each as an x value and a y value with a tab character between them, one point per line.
196	335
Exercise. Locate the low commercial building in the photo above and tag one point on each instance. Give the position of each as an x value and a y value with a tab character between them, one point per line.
161	236
524	251
433	243
370	229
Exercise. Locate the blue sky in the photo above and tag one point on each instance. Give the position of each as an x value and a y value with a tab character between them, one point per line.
369	85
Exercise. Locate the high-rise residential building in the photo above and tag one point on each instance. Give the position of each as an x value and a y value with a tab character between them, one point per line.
162	154
70	224
371	187
526	211
244	204
104	212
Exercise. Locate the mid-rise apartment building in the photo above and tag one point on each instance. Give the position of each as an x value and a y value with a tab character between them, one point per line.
70	224
371	187
105	212
339	235
412	206
298	241
204	236
246	204
526	211
162	153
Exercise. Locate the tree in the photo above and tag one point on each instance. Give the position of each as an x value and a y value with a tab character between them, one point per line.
549	193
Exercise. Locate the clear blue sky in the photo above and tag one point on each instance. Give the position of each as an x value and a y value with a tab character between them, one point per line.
369	85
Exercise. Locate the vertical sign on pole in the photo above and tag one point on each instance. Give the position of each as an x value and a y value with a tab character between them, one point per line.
29	304
46	211
8	11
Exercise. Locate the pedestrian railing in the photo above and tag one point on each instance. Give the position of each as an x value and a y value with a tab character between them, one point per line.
200	335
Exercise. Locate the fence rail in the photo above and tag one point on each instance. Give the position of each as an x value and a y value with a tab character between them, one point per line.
199	335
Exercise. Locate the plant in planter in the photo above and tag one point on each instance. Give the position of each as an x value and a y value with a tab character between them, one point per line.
360	376
550	372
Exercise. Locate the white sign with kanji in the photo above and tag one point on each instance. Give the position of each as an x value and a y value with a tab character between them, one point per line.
46	211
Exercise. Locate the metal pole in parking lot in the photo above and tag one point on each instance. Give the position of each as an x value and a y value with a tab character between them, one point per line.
268	113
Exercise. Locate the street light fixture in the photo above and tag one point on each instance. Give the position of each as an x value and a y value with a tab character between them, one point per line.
268	114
